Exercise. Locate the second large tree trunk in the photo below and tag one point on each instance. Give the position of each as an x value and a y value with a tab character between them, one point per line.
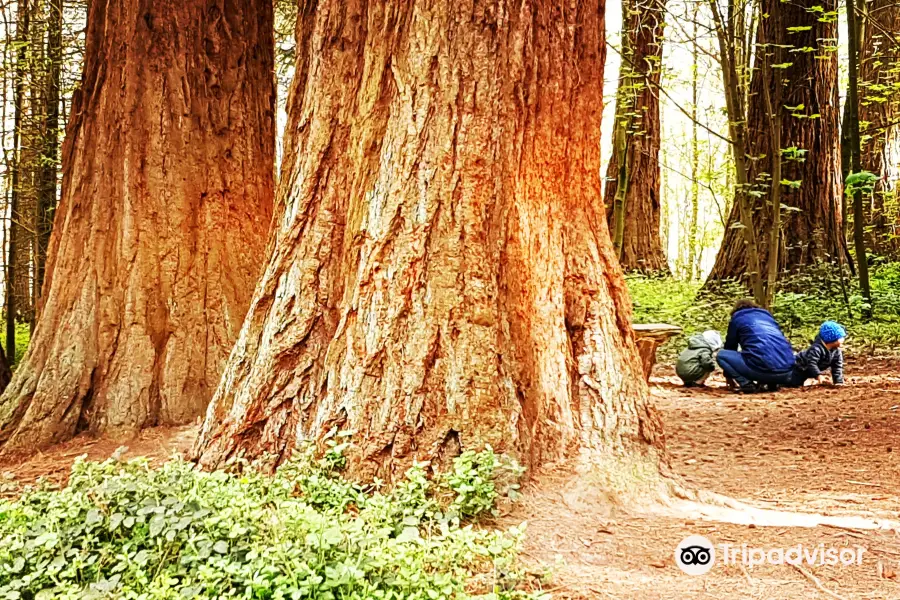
879	111
811	228
442	276
637	115
167	199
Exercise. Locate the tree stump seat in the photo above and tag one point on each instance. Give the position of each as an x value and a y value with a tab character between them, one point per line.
649	337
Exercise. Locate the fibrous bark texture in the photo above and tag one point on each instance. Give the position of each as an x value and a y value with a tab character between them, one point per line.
166	204
811	227
637	111
879	112
442	276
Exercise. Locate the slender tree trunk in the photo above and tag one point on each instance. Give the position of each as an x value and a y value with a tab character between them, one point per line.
811	232
5	371
693	270
859	236
30	159
632	193
50	151
620	171
442	276
733	83
15	231
166	203
879	110
8	167
774	114
845	163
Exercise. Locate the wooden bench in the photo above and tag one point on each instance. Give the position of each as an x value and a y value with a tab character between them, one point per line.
649	337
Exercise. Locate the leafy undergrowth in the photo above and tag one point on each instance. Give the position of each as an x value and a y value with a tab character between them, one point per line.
23	337
124	530
801	305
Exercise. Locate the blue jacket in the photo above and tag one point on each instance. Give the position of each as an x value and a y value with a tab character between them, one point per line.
762	344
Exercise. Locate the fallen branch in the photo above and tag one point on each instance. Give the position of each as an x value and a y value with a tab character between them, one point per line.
815	581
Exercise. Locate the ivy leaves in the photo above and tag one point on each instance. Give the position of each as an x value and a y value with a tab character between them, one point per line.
124	530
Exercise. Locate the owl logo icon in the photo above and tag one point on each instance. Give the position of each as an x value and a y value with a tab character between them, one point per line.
695	555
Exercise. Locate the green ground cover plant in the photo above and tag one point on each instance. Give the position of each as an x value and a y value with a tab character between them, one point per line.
125	530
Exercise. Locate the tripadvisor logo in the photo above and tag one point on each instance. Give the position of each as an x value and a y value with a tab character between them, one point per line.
695	555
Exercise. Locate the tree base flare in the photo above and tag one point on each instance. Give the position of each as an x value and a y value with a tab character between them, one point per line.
442	277
166	204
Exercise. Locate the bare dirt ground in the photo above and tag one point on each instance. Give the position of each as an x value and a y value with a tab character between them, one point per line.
818	450
157	444
824	450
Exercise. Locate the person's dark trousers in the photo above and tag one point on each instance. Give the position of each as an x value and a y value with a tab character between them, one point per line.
796	379
744	375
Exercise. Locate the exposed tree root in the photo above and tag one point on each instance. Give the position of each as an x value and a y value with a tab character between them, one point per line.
815	581
703	504
643	488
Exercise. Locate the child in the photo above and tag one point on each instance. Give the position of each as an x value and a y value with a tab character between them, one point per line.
699	360
824	353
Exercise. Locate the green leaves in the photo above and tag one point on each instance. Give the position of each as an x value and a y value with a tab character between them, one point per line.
94	517
863	182
816	297
115	521
126	531
474	478
156	525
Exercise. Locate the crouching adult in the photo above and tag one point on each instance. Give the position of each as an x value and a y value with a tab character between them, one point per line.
756	353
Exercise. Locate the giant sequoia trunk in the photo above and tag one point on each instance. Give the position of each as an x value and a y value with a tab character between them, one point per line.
811	227
442	276
879	112
635	210
167	199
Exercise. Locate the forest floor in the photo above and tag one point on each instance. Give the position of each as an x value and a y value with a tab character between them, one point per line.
817	450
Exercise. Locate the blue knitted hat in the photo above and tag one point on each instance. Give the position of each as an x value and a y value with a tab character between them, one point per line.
831	332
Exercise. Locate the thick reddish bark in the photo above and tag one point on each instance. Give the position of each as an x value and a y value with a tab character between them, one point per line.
879	112
811	231
442	276
166	203
638	95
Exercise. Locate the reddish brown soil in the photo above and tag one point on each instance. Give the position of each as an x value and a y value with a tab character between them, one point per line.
822	450
157	444
814	450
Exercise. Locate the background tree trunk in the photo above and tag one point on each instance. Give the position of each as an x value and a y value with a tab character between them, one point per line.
637	104
49	174
879	112
15	235
167	199
694	248
811	232
5	371
442	276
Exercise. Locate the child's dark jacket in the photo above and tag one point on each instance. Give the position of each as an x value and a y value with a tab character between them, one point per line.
816	359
